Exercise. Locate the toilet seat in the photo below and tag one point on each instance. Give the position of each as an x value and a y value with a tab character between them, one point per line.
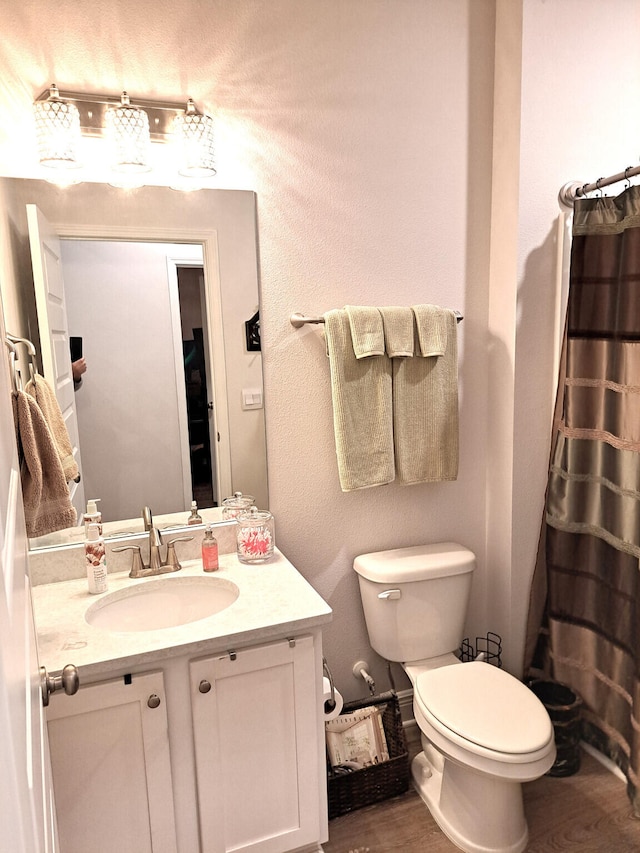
479	705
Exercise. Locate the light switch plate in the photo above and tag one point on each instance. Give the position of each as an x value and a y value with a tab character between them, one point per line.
251	398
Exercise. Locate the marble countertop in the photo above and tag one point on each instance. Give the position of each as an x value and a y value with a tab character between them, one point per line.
274	601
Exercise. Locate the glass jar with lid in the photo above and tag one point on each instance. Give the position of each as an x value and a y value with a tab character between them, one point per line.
237	503
255	536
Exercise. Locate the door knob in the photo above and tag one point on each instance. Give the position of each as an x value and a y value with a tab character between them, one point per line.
69	681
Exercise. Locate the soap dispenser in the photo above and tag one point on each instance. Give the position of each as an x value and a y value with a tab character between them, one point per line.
96	560
92	515
209	551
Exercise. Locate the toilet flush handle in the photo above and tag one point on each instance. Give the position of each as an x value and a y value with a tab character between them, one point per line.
390	594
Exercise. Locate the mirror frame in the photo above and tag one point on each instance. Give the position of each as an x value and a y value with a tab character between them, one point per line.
220	246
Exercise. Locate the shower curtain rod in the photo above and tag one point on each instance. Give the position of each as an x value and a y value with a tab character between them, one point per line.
574	189
299	319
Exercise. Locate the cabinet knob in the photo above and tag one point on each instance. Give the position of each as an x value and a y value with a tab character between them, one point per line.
204	686
153	701
69	681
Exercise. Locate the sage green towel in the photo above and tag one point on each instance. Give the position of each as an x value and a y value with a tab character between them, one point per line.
425	401
362	416
398	331
367	333
432	327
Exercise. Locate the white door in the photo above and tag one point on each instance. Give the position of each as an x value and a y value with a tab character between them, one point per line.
54	332
26	796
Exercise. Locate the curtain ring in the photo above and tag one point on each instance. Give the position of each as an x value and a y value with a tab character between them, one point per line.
626	177
598	187
584	190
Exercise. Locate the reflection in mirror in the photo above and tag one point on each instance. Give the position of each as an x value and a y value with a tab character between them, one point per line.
142	405
159	286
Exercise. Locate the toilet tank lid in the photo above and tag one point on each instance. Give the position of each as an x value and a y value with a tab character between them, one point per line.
420	562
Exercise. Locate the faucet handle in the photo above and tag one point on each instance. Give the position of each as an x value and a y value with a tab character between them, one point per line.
137	566
172	558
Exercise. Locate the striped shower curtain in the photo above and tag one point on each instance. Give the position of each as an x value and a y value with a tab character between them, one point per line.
588	574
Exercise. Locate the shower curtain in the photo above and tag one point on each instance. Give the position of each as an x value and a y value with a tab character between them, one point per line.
584	619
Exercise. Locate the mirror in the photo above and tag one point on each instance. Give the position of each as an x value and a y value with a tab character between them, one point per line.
116	247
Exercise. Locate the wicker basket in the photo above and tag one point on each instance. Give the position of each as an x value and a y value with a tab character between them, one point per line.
380	781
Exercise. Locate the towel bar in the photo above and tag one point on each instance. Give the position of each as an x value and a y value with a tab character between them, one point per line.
297	319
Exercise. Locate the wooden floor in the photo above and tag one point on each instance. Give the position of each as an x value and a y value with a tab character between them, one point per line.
585	813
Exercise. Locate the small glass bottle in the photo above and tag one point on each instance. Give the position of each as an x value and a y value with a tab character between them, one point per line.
195	517
96	560
209	551
255	536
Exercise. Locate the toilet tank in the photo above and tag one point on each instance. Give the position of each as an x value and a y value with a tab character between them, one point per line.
415	599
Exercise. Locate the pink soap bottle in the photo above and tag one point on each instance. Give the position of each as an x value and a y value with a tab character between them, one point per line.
209	551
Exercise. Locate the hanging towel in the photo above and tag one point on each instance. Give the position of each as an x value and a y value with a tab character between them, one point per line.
362	415
367	333
425	401
398	331
46	399
432	326
45	494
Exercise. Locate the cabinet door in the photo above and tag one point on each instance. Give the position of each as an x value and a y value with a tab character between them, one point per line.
111	769
256	739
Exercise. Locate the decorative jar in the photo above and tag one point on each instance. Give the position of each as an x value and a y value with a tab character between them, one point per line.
255	536
233	506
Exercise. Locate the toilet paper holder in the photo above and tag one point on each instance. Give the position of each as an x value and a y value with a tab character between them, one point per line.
330	703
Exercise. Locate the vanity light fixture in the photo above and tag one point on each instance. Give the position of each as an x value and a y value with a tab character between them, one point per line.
57	130
194	140
128	129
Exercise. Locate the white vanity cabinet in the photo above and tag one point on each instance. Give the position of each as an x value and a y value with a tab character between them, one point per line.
205	737
207	755
111	767
255	731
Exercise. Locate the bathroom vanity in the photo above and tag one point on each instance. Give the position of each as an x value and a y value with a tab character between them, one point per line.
203	737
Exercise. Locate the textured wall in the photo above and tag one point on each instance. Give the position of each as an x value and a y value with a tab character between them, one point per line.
366	129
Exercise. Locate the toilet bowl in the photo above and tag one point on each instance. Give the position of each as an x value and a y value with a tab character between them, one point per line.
483	732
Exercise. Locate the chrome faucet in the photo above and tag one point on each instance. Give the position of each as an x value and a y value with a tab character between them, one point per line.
156	565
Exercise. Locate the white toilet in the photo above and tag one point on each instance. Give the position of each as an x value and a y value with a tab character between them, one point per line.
483	732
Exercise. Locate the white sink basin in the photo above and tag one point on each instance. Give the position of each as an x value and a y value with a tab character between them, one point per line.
161	603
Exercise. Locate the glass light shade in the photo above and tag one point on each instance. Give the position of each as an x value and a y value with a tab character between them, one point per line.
127	130
193	136
57	131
